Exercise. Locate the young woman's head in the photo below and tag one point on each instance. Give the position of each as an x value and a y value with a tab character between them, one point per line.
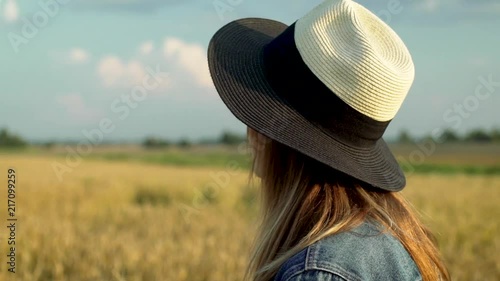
304	201
322	90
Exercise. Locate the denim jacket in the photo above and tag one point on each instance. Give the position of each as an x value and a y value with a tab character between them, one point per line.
364	253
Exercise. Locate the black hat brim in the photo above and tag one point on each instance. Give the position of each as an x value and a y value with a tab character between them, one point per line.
235	58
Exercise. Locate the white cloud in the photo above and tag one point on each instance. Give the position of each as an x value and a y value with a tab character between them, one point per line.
76	107
78	56
116	73
11	11
146	48
190	57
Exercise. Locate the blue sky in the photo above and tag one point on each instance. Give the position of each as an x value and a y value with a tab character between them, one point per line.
66	65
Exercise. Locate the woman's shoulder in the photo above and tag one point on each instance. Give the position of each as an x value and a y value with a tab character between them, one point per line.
364	253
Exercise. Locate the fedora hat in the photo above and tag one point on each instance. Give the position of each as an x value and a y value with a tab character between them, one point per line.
327	86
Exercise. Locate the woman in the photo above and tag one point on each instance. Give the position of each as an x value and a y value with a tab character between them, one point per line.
317	97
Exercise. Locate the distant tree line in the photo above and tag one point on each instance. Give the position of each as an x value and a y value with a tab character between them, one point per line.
11	140
450	136
226	138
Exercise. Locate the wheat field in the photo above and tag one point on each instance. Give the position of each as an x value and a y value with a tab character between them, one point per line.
134	221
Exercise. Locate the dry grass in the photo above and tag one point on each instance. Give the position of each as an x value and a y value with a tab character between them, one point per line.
118	221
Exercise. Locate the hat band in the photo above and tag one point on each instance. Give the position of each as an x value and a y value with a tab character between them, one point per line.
294	82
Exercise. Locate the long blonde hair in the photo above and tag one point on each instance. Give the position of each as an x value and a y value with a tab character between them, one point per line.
304	201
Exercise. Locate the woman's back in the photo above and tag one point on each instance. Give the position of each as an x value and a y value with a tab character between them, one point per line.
364	253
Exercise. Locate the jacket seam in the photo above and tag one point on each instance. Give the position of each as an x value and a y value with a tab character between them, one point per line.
312	263
336	270
335	273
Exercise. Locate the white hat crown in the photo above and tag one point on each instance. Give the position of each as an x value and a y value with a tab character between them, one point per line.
357	56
